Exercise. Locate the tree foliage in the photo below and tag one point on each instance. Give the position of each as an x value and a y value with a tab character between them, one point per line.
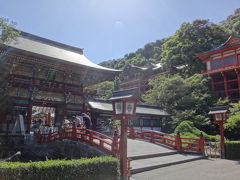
233	22
7	31
104	89
150	53
185	99
187	129
191	39
232	127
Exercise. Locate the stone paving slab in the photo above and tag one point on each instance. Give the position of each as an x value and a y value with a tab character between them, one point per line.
162	161
206	169
139	147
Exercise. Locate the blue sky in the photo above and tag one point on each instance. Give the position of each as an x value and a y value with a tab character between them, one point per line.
109	29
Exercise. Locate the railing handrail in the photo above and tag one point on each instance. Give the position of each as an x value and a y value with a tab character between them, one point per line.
177	142
86	135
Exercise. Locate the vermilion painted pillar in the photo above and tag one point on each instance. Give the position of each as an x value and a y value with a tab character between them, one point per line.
123	148
238	81
222	139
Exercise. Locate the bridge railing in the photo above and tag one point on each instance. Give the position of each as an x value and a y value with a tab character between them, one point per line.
108	144
177	142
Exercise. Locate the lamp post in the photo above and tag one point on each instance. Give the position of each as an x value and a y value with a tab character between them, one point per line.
219	115
124	109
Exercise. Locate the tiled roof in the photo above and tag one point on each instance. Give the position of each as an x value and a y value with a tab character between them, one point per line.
38	46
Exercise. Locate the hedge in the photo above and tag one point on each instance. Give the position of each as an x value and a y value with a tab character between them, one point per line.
232	149
104	167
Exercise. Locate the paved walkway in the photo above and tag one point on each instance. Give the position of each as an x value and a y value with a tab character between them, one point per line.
140	147
207	169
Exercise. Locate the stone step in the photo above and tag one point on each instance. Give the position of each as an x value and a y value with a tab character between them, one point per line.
145	156
146	164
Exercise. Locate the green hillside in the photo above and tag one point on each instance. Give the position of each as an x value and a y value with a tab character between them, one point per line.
186	95
181	48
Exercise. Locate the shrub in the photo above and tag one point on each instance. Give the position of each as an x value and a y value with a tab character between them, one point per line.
187	129
232	149
85	169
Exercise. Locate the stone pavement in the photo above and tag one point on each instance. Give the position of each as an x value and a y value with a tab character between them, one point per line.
140	147
147	156
206	169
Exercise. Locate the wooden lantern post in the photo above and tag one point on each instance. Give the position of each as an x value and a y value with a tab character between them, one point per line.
219	115
124	109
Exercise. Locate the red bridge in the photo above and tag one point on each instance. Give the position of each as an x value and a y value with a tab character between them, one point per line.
110	145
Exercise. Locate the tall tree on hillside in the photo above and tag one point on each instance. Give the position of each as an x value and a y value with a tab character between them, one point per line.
190	39
233	22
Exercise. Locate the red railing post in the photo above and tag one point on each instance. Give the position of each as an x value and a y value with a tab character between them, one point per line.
132	133
90	137
201	144
152	137
178	143
115	144
74	132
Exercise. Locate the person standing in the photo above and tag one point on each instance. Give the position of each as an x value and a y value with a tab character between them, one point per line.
87	120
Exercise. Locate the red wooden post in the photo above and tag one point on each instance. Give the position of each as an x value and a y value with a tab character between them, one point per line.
222	139
123	147
132	133
152	137
74	132
49	119
90	137
115	144
178	143
201	144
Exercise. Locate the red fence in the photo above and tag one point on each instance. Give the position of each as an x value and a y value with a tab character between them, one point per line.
176	142
111	144
108	144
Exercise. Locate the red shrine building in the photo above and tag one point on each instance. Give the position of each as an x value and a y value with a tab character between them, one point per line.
44	79
223	67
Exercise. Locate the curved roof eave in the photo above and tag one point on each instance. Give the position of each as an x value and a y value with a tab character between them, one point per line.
42	48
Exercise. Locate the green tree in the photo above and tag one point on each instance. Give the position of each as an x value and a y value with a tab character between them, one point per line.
7	31
104	89
232	127
233	22
185	99
189	40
